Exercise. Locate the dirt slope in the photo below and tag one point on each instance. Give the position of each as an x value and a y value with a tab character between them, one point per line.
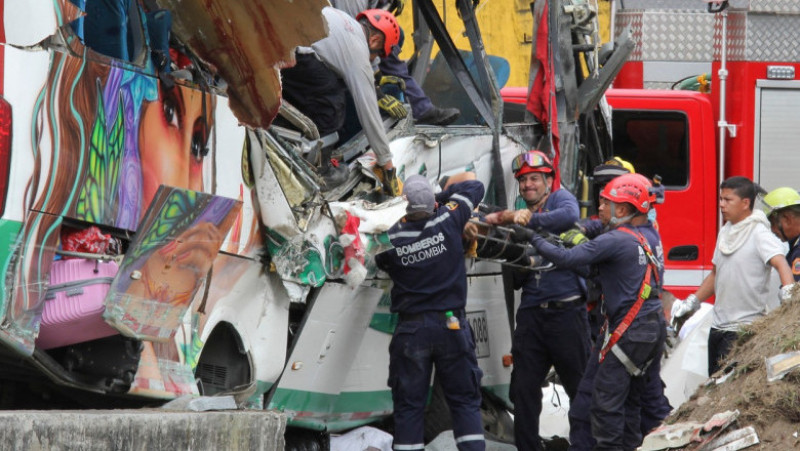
772	408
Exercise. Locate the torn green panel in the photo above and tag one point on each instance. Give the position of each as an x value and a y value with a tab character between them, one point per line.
322	405
334	255
9	231
384	321
297	260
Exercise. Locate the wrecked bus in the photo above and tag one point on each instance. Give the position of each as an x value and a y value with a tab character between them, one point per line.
160	239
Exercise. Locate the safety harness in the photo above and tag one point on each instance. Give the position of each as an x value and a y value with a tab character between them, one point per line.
610	343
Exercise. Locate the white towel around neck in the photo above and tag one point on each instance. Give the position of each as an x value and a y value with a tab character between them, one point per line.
732	236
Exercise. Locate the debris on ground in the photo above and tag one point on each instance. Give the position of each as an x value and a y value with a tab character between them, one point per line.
365	437
374	439
781	364
769	413
201	403
685	433
446	442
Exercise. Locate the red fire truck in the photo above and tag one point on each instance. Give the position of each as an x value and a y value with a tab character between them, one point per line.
746	122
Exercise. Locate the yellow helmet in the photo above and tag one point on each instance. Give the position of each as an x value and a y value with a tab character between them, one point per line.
617	161
780	198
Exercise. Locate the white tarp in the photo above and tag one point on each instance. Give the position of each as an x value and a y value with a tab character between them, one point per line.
687	367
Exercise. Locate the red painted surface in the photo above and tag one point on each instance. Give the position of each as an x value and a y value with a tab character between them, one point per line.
631	76
741	111
689	215
3	52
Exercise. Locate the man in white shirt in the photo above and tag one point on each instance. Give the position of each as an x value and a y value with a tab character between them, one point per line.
745	254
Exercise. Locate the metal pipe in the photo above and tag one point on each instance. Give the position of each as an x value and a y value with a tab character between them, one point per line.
722	123
613	19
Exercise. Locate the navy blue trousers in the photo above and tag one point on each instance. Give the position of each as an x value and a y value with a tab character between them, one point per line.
416	348
545	338
655	405
606	413
720	343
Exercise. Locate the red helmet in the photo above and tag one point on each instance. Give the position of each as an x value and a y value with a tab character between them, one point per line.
649	184
385	22
633	189
531	161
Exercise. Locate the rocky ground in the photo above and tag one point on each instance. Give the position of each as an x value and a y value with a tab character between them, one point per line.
772	408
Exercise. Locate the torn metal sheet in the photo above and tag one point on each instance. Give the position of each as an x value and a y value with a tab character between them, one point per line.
733	441
201	403
721	420
681	434
248	41
670	436
29	22
781	364
297	259
375	218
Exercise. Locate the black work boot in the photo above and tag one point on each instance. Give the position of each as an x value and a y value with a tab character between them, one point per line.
439	116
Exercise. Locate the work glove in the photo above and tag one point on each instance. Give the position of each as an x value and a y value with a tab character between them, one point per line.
392	106
392	186
573	237
392	80
681	308
786	292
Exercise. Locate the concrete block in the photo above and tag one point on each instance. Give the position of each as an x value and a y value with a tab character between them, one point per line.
146	429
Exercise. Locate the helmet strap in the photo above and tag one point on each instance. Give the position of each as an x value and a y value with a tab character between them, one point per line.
615	221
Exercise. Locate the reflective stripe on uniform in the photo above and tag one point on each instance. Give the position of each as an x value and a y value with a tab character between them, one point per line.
404	235
469	438
416	233
409	447
436	221
462	199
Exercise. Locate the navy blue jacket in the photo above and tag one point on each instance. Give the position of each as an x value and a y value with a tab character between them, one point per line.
621	265
427	262
793	257
654	241
559	214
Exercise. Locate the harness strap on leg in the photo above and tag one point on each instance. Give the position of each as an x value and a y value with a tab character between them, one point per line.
630	367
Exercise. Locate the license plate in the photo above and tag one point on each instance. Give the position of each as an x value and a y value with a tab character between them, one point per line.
480	332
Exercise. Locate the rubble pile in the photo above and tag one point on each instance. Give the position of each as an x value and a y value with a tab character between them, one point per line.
760	380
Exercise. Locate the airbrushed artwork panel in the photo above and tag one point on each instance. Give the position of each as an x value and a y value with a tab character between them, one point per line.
168	262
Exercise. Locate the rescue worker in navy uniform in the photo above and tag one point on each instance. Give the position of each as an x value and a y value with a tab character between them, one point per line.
590	228
654	404
429	295
782	207
552	328
634	336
